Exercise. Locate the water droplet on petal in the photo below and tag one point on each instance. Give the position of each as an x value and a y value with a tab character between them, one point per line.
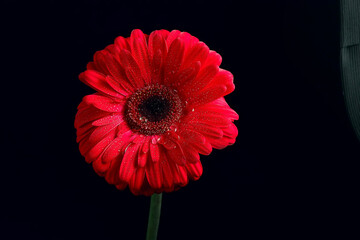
173	128
127	147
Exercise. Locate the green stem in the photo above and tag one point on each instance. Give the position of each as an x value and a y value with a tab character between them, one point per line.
154	216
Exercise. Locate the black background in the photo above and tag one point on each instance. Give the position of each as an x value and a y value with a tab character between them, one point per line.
291	173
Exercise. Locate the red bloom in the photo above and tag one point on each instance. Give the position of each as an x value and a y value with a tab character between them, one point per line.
159	103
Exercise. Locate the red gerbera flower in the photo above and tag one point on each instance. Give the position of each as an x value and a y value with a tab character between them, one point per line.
159	103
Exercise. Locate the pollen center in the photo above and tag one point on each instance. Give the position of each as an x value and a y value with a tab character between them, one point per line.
153	109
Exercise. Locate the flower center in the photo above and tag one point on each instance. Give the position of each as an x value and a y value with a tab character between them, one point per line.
153	109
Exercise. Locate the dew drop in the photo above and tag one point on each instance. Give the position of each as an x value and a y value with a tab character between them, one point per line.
127	148
173	128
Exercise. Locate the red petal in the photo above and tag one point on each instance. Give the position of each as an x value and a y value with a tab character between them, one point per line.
192	136
168	179
220	107
184	179
202	80
172	36
121	43
186	75
98	82
115	70
116	146
112	175
154	151
99	62
99	167
134	76
231	131
137	181
94	137
207	95
100	132
139	50
176	154
88	114
164	33
213	59
118	73
207	130
104	103
198	52
109	49
173	60
131	69
197	140
156	66
195	170
166	142
153	174
224	78
209	118
219	143
145	147
191	154
179	173
137	33
95	152
204	149
127	166
84	132
116	118
121	86
156	43
91	66
142	157
121	185
229	138
188	40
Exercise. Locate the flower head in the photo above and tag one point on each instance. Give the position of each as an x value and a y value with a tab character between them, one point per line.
159	104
